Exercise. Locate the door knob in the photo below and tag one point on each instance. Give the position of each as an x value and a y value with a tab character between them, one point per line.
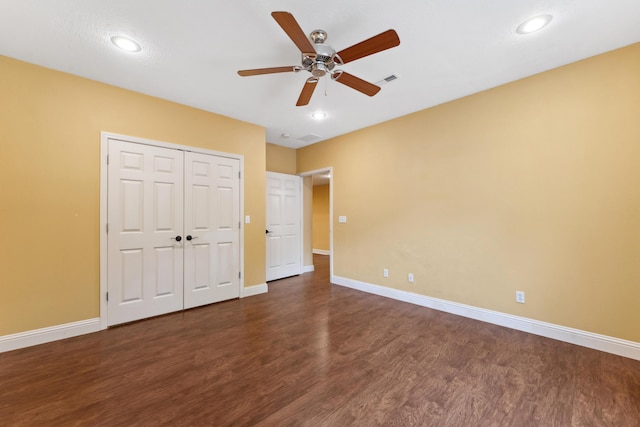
268	231
189	237
177	238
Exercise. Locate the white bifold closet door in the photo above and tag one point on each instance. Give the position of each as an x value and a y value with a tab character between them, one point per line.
173	238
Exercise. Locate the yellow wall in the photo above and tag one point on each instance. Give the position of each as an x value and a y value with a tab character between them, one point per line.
532	186
281	159
321	217
50	125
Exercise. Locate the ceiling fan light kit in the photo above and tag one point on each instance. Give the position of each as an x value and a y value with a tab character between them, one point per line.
320	59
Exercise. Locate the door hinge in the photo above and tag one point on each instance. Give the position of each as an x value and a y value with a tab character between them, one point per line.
107	296
238	174
239	225
239	275
107	227
107	159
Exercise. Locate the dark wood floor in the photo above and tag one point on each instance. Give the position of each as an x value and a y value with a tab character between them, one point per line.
309	353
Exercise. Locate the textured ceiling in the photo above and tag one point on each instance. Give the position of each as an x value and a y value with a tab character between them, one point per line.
192	50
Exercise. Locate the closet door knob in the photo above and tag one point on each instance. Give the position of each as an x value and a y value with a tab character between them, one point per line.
177	238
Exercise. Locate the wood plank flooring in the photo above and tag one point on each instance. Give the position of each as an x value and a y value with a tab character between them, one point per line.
312	354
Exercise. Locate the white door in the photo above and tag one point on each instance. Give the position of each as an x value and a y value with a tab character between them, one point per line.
212	229
284	225
174	230
145	249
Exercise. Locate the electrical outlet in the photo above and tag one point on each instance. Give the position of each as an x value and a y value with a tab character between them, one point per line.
520	297
410	277
385	273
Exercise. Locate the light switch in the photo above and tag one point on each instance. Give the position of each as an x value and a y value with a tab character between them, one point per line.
342	219
247	219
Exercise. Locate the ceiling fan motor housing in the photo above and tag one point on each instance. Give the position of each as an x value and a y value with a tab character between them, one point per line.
323	63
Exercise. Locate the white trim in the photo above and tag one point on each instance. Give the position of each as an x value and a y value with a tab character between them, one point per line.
250	291
104	179
104	136
52	333
630	349
301	219
104	150
242	225
321	252
308	268
317	171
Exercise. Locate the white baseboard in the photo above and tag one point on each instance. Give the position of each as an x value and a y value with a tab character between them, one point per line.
321	252
250	291
308	268
630	349
52	333
68	330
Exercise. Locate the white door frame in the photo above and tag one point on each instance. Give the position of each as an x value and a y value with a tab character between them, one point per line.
104	150
329	170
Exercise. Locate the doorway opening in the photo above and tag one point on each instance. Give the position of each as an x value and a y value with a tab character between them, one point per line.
318	216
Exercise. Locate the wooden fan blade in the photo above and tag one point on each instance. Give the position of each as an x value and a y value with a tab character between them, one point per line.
307	91
375	44
356	83
295	33
272	70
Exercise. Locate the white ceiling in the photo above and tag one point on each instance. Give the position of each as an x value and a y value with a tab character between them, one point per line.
192	50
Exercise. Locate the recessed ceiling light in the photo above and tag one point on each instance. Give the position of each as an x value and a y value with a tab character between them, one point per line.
319	115
534	24
125	43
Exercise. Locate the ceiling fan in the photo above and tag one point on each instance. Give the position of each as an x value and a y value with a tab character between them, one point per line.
320	59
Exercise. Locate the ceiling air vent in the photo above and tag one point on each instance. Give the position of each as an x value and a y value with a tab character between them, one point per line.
386	80
309	137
